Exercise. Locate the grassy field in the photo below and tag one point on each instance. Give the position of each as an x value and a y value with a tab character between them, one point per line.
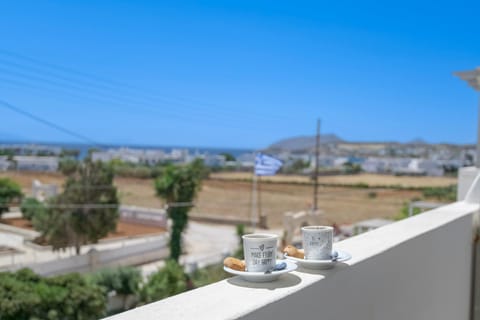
228	194
373	180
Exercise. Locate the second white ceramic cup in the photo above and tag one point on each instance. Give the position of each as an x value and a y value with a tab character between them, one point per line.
317	242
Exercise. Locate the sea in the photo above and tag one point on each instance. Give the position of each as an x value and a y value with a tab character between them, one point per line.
83	148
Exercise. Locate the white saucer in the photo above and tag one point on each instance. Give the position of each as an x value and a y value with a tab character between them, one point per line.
320	264
262	276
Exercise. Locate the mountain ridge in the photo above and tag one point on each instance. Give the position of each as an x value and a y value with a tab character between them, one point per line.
305	142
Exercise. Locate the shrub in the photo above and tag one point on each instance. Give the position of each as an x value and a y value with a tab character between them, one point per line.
240	232
166	282
208	275
361	185
9	191
372	195
404	211
125	281
25	295
448	193
122	280
31	207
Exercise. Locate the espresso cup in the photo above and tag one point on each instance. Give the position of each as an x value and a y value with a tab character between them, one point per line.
260	251
317	242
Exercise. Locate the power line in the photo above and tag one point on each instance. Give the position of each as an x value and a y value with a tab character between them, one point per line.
72	206
48	123
108	85
215	119
61	68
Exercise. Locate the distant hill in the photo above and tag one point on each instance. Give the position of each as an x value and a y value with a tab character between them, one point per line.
303	142
306	143
417	141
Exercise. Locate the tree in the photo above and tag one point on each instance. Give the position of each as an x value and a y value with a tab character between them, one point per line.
200	169
31	207
125	281
240	228
297	166
228	156
86	211
166	282
178	186
9	191
68	166
351	168
71	153
25	295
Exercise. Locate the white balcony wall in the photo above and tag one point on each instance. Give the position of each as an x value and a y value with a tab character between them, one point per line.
411	274
418	268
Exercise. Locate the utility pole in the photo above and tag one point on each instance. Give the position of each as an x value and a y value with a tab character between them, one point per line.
315	174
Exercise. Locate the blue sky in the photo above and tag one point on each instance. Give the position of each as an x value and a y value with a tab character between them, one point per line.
238	73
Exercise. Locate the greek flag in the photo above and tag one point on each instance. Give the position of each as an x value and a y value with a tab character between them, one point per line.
266	165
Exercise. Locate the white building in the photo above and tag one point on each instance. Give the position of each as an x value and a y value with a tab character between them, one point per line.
33	163
214	160
4	163
376	165
146	156
339	162
431	168
152	157
178	155
126	155
403	166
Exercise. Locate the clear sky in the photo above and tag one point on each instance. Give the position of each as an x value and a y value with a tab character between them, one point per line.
238	73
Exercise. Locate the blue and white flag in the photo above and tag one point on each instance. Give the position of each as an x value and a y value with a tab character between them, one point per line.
266	165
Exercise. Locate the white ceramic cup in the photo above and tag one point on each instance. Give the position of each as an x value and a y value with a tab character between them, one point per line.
260	251
317	242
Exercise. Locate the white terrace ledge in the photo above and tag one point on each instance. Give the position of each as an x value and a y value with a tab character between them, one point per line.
417	268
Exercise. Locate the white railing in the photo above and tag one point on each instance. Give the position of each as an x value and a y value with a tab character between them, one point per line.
418	268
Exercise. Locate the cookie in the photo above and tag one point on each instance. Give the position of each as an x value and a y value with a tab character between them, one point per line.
293	252
234	264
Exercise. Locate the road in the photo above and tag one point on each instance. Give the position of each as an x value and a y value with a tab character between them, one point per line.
204	244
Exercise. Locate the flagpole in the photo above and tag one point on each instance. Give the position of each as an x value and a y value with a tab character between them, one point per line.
259	190
315	175
254	199
264	165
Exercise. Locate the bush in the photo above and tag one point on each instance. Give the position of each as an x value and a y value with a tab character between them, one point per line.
361	185
404	212
448	193
68	166
124	281
141	172
351	168
25	295
166	282
31	207
9	191
372	195
208	275
240	232
41	218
